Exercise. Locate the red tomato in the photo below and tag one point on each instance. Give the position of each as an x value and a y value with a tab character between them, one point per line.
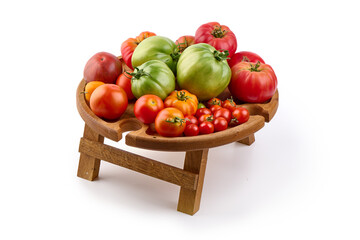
240	115
202	111
251	82
147	107
170	122
128	46
225	113
184	41
104	67
220	124
218	36
213	101
206	118
229	104
206	128
214	108
244	56
190	119
124	81
108	101
191	130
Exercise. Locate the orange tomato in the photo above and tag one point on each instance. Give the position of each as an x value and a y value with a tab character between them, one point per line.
183	100
170	122
90	87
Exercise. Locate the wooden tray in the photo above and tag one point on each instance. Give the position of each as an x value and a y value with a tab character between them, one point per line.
140	135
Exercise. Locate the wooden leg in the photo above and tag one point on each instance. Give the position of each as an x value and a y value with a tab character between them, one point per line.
189	200
248	140
89	166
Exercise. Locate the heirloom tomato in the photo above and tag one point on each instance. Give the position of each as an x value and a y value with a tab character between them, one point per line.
185	41
90	87
244	56
183	100
128	46
156	48
152	77
170	122
124	81
203	71
147	107
218	36
252	82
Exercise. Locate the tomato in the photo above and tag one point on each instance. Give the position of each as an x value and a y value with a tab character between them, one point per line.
244	56
170	122
128	46
152	77
251	82
156	48
223	112
240	115
229	104
206	127
190	119
213	101
201	105
220	124
104	67
202	111
124	81
183	100
206	118
214	108
108	101
191	130
203	71
218	36
147	107
184	41
90	87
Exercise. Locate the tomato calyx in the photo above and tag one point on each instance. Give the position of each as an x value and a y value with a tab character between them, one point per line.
221	55
176	120
245	59
255	68
218	32
138	73
181	96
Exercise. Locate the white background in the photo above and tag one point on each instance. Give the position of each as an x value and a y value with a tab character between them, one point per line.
299	180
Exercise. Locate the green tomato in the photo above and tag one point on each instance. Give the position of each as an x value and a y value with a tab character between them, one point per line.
152	77
203	71
156	48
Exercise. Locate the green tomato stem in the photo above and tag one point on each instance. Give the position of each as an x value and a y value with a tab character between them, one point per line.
255	68
220	56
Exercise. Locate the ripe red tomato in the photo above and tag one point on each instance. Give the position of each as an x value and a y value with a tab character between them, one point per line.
214	108
229	104
202	111
206	127
190	119
244	56
240	115
218	36
251	82
108	101
220	124
184	41
104	67
124	81
129	45
213	101
206	118
191	130
224	112
170	122
147	107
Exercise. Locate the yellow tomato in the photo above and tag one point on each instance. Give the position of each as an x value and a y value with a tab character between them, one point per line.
90	87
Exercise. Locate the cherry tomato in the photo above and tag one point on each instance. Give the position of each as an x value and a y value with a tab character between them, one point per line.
147	107
190	119
240	115
229	104
220	124
124	81
201	105
223	112
191	130
206	118
214	108
213	101
108	101
206	128
170	122
90	87
202	111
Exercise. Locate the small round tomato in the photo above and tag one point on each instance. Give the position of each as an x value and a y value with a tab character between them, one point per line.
90	87
202	111
170	122
213	101
147	107
223	112
214	108
220	124
229	104
206	118
206	128
201	105
240	115
190	119
191	130
124	81
108	101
